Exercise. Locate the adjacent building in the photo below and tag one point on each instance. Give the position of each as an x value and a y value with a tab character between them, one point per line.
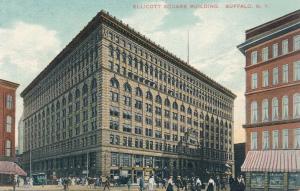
115	103
272	125
7	119
239	157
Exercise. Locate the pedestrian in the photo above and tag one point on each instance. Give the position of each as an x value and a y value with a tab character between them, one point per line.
211	184
129	183
231	183
170	184
223	184
198	184
142	183
218	183
163	182
151	183
106	183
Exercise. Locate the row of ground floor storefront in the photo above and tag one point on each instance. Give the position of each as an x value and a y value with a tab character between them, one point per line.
272	170
134	165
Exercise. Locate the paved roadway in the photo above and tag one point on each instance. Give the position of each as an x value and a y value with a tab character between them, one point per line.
74	188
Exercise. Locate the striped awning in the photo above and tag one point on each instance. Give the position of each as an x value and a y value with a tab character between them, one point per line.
7	167
272	161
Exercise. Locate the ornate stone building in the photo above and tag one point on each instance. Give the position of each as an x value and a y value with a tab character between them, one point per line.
116	103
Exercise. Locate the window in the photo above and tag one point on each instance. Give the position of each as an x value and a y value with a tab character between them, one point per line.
275	139
265	78
253	140
9	102
254	81
254	112
297	138
275	109
265	54
285	46
8	123
138	92
297	70
114	83
114	96
8	148
254	57
265	110
265	140
285	107
297	42
275	76
127	87
296	105
285	138
275	50
285	73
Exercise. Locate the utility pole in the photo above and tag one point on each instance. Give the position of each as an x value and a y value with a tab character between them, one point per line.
87	164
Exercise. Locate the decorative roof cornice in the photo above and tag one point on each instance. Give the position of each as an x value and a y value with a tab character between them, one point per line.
9	84
104	17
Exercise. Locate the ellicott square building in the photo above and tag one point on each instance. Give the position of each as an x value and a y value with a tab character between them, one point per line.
112	102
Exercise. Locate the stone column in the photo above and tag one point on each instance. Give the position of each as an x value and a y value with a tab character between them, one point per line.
285	181
248	181
266	183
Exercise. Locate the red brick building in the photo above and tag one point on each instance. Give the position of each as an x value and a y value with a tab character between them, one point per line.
272	125
7	119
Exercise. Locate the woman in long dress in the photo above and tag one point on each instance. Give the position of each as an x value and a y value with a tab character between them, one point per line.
170	184
211	184
151	183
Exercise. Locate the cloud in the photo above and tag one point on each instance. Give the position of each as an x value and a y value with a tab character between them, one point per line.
25	49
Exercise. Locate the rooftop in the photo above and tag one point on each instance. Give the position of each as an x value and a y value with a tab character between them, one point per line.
8	84
105	17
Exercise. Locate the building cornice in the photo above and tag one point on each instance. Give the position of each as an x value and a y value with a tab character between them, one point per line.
271	123
104	17
8	84
267	36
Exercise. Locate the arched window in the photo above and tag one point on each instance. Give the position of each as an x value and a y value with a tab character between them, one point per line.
189	111
254	112
77	93
124	56
94	84
114	83
127	87
138	92
167	102
57	105
111	51
149	95
196	113
8	123
118	53
175	105
296	105
130	60
275	108
182	108
285	107
84	89
64	101
8	148
265	110
70	97
158	99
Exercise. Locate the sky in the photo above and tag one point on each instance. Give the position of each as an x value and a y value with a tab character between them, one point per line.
33	32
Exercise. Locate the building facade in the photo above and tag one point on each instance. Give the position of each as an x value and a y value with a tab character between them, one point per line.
7	119
272	126
239	157
115	103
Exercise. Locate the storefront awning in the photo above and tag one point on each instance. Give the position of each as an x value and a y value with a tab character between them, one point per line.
7	167
272	161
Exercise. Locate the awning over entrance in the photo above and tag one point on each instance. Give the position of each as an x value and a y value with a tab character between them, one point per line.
7	167
272	161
